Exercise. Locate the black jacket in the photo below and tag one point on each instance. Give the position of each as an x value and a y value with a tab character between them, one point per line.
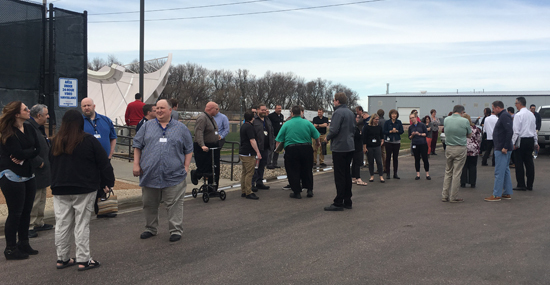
259	129
42	175
23	146
502	134
86	170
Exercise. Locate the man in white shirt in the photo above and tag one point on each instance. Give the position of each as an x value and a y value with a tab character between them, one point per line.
525	141
488	128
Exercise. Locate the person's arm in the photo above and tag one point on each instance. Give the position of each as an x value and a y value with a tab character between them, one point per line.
255	147
400	130
37	161
381	137
200	126
224	131
411	135
516	123
112	137
103	164
127	116
13	146
507	124
113	145
335	126
137	168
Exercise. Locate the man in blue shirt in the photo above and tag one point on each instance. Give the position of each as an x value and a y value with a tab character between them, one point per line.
223	126
102	128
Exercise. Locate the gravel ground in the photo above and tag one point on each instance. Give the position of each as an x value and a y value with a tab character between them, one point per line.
225	171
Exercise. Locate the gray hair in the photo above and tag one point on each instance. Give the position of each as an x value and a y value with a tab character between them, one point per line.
38	109
458	109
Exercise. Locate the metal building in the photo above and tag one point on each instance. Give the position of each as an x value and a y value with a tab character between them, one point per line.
443	102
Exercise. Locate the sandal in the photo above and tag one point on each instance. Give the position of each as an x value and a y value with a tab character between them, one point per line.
361	183
65	264
371	180
353	181
88	265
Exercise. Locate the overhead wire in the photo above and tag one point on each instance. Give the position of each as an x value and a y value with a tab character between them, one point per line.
241	14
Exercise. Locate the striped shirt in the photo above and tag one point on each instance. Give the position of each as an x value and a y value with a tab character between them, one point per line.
162	162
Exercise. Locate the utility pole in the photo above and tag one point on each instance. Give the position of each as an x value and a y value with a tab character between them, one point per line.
141	44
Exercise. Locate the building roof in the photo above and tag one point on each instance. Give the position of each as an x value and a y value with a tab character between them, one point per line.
463	94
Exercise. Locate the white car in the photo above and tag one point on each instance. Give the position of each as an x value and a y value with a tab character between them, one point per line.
544	133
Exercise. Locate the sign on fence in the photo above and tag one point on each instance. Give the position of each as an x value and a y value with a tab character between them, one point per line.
68	92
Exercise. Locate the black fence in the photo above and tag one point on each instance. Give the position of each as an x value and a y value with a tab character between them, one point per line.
39	46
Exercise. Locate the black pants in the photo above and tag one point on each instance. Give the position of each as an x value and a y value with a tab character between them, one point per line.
342	177
298	165
421	150
392	149
19	199
488	147
258	176
356	164
203	160
469	171
524	156
434	140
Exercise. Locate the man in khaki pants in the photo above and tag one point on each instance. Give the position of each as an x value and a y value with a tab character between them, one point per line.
320	123
248	151
457	131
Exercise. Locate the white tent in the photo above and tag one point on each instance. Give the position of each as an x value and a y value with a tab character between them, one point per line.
112	88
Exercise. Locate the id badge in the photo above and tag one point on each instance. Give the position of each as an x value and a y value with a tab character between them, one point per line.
97	136
265	133
414	146
373	140
163	140
281	123
216	133
388	139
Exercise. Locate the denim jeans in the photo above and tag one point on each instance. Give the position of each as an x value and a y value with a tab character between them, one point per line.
503	181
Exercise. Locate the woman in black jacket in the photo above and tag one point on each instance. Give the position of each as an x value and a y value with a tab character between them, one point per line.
419	145
373	139
79	167
357	161
393	129
19	145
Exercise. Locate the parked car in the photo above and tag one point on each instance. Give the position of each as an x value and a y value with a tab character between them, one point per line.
544	133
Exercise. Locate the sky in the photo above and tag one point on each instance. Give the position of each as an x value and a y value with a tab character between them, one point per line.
413	45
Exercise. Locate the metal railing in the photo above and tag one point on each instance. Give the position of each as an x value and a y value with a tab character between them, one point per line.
232	161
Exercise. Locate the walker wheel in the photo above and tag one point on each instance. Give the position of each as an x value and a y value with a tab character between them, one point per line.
205	197
194	192
222	195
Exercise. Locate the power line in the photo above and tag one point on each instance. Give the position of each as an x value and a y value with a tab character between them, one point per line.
182	8
242	14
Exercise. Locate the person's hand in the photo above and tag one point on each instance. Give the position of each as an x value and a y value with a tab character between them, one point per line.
204	148
258	155
325	140
137	170
16	161
394	130
515	147
106	189
505	151
186	168
41	165
219	137
537	148
318	143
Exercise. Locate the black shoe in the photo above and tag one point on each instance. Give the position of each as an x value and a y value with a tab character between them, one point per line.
243	195
349	207
417	178
309	193
254	189
194	179
462	185
277	166
519	189
473	186
529	189
44	227
484	164
270	167
33	234
13	253
388	176
287	187
262	186
428	178
295	195
146	235
396	177
252	196
433	153
323	164
333	208
25	247
109	215
175	237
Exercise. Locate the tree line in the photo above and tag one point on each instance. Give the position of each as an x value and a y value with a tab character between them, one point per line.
194	85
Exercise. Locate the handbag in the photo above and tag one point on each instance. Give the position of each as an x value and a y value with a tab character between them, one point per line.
108	204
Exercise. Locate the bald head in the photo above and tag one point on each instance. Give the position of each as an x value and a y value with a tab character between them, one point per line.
88	107
211	109
163	111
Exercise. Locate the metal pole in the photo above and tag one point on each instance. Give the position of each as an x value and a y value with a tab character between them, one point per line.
51	77
84	84
141	44
241	116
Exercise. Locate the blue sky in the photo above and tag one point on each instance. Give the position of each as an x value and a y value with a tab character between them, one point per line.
413	45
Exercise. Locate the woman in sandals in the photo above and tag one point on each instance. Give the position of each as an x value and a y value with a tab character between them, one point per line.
79	167
373	139
18	145
357	161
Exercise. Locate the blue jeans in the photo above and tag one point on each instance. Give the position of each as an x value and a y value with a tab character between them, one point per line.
503	181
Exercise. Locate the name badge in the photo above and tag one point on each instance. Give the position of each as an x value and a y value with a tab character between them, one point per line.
281	123
388	139
414	146
163	140
373	140
265	133
97	136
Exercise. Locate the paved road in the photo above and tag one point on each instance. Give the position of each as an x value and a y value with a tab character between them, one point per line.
399	232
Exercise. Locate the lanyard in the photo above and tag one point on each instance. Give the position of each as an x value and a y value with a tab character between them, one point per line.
265	128
163	129
94	125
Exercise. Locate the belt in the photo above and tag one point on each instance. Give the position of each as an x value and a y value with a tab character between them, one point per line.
298	144
527	138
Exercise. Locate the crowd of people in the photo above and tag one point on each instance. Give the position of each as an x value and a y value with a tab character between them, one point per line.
75	163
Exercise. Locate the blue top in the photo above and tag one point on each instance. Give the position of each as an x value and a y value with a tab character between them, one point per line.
163	163
393	137
223	124
502	134
102	126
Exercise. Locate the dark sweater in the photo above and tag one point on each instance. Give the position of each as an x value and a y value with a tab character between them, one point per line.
502	134
86	170
358	140
372	135
418	139
23	146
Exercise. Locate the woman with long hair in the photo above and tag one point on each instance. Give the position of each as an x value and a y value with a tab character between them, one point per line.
435	130
18	145
417	135
393	129
469	171
429	126
357	161
373	139
79	166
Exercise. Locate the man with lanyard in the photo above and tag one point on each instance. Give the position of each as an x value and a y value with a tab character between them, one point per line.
160	151
277	120
102	128
265	140
206	137
150	112
525	141
320	123
223	126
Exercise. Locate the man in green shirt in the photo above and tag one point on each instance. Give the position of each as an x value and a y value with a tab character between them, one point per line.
296	134
457	131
